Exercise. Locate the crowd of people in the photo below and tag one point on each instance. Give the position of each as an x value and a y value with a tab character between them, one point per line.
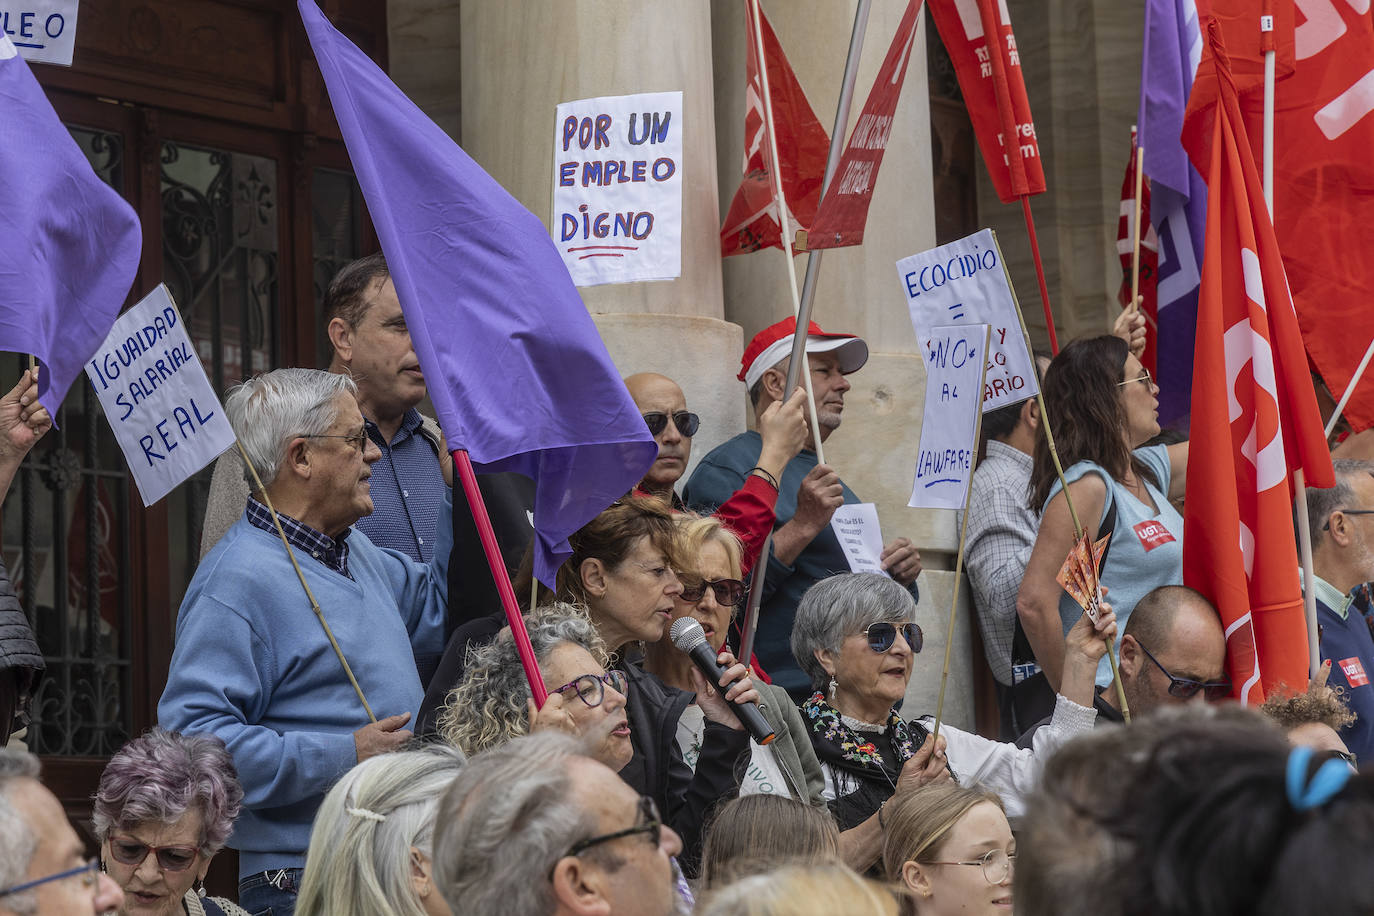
370	743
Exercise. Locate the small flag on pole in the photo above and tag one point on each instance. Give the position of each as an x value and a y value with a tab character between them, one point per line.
71	242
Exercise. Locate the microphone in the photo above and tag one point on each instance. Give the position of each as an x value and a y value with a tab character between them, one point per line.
688	636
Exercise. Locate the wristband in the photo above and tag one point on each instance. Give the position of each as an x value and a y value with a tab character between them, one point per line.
766	476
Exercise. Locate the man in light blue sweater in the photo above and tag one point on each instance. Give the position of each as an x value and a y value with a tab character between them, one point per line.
252	663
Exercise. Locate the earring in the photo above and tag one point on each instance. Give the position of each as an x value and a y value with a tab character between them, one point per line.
833	685
200	888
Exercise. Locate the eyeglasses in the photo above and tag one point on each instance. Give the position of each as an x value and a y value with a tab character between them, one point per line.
128	851
686	422
729	592
996	865
882	635
1143	378
357	440
1349	758
1327	526
651	824
88	873
591	688
1186	688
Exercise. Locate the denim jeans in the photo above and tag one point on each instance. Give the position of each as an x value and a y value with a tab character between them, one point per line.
270	893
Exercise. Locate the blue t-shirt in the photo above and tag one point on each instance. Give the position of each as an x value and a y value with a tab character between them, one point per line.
1146	547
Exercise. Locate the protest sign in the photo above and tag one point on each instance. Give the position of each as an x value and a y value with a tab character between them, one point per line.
856	528
955	362
44	31
962	284
617	188
157	398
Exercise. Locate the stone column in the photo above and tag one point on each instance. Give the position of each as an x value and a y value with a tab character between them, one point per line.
875	449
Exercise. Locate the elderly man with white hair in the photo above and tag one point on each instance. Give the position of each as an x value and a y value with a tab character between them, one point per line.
252	663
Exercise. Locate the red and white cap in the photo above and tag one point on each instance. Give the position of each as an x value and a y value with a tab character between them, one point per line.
774	344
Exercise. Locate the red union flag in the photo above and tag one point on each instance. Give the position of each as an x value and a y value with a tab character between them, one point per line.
1254	418
990	78
751	222
844	209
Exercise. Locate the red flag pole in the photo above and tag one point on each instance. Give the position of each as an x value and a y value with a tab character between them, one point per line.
498	572
1040	274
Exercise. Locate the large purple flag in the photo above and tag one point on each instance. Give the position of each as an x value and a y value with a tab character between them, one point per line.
1178	195
517	372
69	244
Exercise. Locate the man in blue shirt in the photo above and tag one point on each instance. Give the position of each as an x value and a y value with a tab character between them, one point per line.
253	663
1341	519
805	549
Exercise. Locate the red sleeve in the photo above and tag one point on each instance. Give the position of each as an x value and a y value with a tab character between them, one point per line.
749	514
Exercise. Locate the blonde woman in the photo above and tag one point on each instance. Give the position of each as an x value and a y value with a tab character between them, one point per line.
371	849
952	849
809	890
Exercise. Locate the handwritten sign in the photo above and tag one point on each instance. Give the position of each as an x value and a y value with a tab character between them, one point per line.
955	361
856	528
964	283
44	31
157	397
617	188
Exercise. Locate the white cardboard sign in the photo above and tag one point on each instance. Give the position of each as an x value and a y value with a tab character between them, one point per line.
43	31
955	358
617	188
155	393
964	283
856	528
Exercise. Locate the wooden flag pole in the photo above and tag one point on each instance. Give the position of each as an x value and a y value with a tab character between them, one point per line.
963	535
497	563
1135	223
802	304
1059	468
314	605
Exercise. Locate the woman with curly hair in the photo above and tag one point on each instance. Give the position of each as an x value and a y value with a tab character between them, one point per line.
1312	718
493	703
1102	407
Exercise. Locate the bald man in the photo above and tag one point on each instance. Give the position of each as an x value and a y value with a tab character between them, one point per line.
1173	651
749	512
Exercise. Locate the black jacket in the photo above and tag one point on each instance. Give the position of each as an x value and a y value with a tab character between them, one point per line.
21	662
658	770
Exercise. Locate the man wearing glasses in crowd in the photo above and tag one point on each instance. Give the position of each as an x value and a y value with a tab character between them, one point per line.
1173	651
43	865
1343	564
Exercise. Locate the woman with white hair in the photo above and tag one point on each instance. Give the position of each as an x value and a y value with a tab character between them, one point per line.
371	849
856	637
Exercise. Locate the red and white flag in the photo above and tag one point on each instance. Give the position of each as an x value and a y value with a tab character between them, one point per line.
994	91
1149	257
1254	419
844	209
752	222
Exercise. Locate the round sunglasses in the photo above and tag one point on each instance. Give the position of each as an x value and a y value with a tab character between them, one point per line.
882	635
128	851
686	422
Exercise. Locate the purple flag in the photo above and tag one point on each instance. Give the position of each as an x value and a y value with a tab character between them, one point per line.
1178	195
516	369
69	244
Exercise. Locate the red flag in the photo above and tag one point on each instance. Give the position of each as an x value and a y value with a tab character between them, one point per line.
803	145
1149	257
844	210
994	91
1255	416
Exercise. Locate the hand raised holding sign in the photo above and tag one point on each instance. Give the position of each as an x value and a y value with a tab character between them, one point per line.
819	495
23	421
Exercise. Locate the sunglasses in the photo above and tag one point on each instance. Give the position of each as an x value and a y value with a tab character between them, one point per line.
650	823
128	851
1186	688
686	422
882	635
591	688
729	592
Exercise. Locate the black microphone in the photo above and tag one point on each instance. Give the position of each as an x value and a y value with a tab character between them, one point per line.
688	636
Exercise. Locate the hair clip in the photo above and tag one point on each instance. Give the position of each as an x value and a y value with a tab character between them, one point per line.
1305	794
366	814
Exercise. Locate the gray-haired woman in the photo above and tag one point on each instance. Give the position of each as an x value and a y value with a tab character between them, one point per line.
371	849
492	705
165	805
856	637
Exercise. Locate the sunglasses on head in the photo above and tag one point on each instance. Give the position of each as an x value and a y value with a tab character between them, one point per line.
685	421
729	592
882	635
128	851
1187	688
